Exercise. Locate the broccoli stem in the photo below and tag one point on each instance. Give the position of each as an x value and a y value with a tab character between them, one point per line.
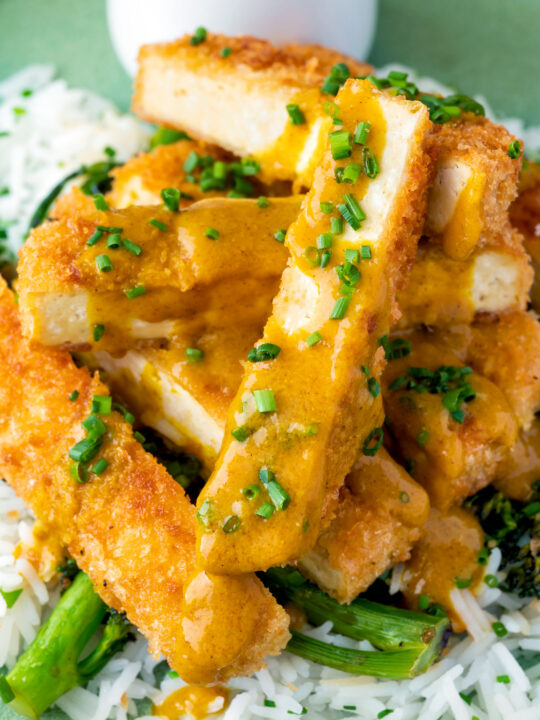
50	665
390	664
386	628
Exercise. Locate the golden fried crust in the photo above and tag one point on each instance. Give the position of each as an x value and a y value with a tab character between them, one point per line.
297	65
240	102
141	180
378	519
132	529
473	160
451	459
525	216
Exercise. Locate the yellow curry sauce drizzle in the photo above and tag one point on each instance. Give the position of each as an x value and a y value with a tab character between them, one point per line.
295	409
193	701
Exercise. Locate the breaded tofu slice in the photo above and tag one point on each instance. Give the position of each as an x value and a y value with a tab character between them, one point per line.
380	508
378	519
130	526
445	556
452	449
525	216
184	398
444	291
165	267
475	182
307	411
240	101
141	180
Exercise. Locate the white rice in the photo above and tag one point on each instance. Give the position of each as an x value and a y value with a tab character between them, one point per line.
59	130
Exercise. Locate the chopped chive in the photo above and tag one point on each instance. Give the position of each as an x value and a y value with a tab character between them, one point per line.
132	247
423	602
514	149
331	109
365	252
263	202
158	224
85	450
351	211
326	255
503	679
225	52
98	332
212	233
96	237
108	229
171	198
100	202
370	163
373	442
483	556
94	426
422	437
361	133
251	492
241	433
100	467
102	404
219	170
352	256
265	400
313	339
327	207
135	292
265	511
383	713
194	355
491	581
10	597
462	584
499	629
340	144
296	116
280	235
204	513
266	475
198	37
104	263
351	173
324	241
265	351
312	255
280	497
173	674
231	524
340	308
373	386
336	225
114	241
78	472
191	162
74	395
269	703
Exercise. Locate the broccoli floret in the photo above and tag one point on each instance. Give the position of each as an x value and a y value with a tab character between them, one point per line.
513	527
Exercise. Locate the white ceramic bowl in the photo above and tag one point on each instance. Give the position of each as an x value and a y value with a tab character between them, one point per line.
346	25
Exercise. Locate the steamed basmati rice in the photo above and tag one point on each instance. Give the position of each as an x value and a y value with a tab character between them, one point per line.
51	132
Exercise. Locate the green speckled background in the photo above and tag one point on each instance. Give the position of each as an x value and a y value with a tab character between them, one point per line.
481	46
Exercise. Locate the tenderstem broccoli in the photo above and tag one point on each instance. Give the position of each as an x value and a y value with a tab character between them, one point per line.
407	642
52	664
